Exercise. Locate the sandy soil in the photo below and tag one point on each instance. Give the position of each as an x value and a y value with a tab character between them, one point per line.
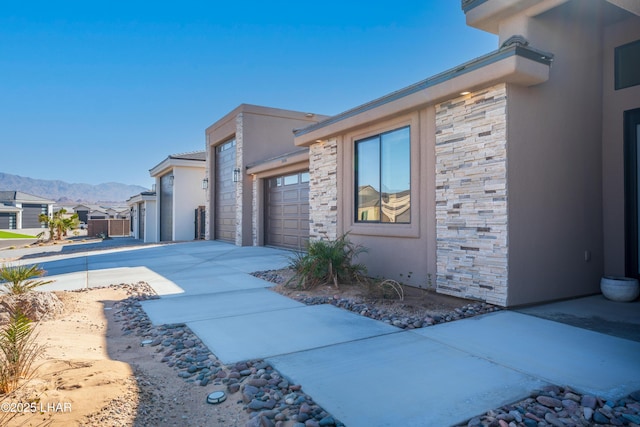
93	374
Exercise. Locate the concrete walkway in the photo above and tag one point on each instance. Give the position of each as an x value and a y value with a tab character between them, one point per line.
364	372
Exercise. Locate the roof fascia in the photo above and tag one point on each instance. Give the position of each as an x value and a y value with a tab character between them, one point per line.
516	64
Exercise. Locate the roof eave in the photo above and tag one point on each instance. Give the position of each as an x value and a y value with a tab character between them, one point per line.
514	64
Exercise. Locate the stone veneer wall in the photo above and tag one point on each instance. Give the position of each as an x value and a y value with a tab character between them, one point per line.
254	210
471	196
323	190
239	192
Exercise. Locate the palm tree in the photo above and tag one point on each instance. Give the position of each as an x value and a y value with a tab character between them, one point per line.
49	222
21	279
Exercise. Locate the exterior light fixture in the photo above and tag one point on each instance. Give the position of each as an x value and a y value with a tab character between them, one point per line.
236	175
205	183
171	179
465	93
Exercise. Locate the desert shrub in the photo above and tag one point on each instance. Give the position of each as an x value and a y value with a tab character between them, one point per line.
377	288
21	279
18	351
327	262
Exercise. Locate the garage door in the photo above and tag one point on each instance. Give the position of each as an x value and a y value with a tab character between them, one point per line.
31	215
287	211
225	212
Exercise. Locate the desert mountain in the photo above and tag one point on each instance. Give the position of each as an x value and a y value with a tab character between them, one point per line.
66	193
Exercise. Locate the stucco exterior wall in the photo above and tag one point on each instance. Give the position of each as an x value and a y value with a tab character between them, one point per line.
615	103
554	170
187	196
261	133
471	196
150	224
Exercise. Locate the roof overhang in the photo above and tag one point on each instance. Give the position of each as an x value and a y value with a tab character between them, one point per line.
142	197
487	14
515	64
169	163
9	209
281	164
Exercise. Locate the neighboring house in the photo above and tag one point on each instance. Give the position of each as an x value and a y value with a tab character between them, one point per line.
92	211
514	176
98	212
257	179
143	216
19	211
83	212
179	193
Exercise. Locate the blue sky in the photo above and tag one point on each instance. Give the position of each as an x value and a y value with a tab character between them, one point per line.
102	91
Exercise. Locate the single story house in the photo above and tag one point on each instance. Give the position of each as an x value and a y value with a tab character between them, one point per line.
512	178
179	193
20	211
257	180
143	216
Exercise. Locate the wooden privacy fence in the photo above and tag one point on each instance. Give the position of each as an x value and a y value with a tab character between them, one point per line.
108	227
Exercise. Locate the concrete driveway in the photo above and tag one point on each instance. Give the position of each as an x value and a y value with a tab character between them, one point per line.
364	372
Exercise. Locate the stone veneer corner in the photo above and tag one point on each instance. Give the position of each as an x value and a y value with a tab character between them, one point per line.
239	190
323	190
471	196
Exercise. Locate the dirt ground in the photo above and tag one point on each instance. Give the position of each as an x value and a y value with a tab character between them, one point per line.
94	374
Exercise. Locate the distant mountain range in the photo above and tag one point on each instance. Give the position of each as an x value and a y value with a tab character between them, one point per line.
65	193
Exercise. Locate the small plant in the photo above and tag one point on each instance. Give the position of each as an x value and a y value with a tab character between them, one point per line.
12	247
18	351
22	278
393	286
327	262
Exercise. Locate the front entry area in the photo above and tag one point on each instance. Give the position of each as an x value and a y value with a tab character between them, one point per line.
632	192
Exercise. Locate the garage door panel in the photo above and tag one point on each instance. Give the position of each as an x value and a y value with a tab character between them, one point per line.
290	210
287	211
225	192
291	195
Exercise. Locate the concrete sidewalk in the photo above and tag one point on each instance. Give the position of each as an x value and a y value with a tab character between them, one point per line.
364	372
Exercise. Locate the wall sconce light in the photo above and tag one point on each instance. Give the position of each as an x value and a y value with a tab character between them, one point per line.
236	175
205	183
171	179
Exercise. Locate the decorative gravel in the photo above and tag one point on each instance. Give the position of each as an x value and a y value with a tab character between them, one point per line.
385	312
263	392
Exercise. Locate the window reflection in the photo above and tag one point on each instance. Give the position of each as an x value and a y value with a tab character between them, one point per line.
383	178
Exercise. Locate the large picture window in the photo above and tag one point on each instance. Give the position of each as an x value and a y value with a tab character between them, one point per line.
383	177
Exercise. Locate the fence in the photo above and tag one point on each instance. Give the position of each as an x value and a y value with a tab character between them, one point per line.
108	227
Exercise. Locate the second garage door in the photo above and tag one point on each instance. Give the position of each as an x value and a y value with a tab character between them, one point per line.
225	202
287	211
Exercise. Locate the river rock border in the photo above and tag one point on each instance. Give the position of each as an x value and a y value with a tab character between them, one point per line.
274	402
382	313
263	392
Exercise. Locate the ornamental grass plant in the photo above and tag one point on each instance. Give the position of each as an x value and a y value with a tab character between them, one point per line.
327	262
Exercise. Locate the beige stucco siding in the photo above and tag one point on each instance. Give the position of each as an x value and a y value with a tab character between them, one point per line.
555	174
615	103
404	252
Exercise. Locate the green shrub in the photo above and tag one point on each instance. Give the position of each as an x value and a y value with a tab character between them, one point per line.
21	279
327	262
18	351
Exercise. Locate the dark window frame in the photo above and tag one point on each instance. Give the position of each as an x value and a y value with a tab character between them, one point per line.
619	58
631	118
379	136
